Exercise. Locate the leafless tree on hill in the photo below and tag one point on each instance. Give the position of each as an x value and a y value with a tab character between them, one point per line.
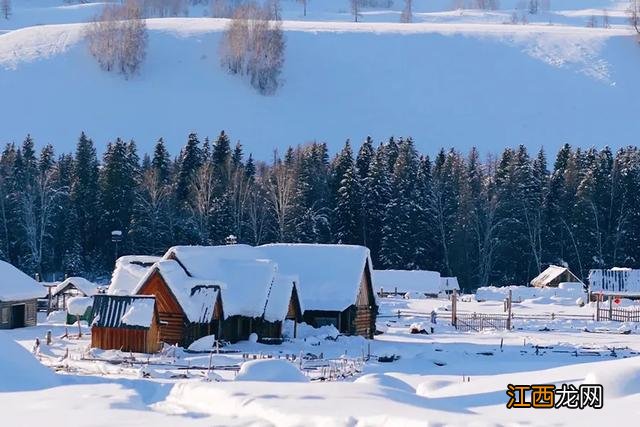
407	13
355	9
634	14
253	45
304	4
5	8
118	38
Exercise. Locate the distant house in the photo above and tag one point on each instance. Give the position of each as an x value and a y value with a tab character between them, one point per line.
126	323
553	276
69	288
407	282
449	284
19	295
623	282
335	284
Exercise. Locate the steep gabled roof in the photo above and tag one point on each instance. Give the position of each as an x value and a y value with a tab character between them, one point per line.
17	286
550	274
80	283
282	290
449	284
329	275
129	271
244	277
196	297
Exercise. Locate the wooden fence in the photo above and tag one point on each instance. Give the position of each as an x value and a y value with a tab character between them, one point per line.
478	322
619	314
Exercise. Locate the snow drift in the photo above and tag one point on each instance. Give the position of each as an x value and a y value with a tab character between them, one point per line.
20	371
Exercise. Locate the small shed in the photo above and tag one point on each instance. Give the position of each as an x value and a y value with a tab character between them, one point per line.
405	282
19	295
126	323
449	284
553	276
69	288
335	284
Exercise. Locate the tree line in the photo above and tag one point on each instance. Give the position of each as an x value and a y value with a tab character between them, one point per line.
499	221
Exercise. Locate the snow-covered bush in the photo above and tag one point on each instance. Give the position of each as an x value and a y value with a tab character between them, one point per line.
270	370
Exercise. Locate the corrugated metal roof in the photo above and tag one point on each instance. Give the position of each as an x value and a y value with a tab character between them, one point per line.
109	309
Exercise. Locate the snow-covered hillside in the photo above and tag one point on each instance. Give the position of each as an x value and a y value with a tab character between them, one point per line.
453	82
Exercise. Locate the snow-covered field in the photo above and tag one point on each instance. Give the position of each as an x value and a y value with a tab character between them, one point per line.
448	378
453	78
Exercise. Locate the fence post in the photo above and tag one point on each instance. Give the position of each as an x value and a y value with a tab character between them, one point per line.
610	307
597	308
509	301
454	309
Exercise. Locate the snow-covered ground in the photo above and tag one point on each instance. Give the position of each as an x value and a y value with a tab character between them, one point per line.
453	78
448	378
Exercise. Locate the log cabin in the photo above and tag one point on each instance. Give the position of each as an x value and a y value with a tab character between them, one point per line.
255	299
335	284
126	323
19	295
188	308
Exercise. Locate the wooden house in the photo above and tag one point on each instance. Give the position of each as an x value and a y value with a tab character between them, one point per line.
69	288
188	308
335	284
126	323
553	276
255	299
19	295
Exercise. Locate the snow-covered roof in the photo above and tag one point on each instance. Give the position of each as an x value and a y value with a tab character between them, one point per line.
77	306
279	298
550	274
421	281
16	285
330	275
242	274
139	313
114	311
80	283
449	284
197	297
129	271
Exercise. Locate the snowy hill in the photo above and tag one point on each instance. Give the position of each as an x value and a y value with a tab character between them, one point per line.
446	82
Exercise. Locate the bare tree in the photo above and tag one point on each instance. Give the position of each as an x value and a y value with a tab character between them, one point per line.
220	8
407	13
304	4
281	192
355	9
5	8
152	200
253	45
118	38
634	14
203	198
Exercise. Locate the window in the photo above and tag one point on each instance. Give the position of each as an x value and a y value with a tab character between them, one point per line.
5	315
